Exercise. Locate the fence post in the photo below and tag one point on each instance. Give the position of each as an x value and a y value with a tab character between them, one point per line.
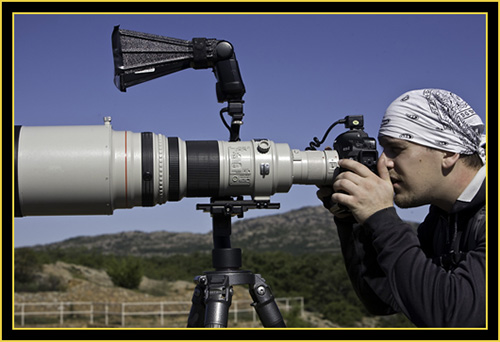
161	313
302	307
61	310
123	314
22	314
91	313
106	308
235	311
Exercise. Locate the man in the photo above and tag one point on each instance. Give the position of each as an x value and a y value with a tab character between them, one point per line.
433	154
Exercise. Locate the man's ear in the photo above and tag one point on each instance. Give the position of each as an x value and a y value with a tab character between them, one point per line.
450	159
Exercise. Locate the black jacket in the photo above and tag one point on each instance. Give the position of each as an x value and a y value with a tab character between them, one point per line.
436	277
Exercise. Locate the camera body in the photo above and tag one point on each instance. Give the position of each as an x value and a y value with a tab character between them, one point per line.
357	145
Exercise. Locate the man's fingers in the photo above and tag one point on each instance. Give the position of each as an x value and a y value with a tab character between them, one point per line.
342	198
356	167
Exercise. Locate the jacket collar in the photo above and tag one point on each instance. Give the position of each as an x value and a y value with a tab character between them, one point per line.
474	195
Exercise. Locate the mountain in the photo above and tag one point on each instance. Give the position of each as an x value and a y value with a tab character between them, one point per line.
303	230
309	229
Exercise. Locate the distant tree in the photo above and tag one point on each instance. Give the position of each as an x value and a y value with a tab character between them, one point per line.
28	277
394	321
26	265
343	313
125	272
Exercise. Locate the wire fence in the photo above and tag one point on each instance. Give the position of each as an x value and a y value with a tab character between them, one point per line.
133	314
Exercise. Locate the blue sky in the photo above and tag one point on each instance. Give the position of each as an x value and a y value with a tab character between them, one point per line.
301	73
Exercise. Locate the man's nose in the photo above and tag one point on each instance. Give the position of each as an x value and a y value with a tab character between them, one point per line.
389	163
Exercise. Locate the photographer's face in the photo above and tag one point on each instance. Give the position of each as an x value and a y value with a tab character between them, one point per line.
415	172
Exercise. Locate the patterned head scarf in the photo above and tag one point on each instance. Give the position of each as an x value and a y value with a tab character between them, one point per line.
435	118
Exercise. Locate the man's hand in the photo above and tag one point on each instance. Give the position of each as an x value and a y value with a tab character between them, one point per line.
362	191
325	195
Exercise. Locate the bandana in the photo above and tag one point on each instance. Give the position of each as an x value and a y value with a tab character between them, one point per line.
435	118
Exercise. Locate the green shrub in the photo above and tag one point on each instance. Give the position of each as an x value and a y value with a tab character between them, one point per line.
395	321
40	284
343	313
26	265
125	272
293	319
28	277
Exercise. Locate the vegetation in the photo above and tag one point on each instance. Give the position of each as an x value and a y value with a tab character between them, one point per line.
125	272
318	277
28	273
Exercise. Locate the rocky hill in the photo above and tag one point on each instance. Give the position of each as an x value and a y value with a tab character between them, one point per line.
310	229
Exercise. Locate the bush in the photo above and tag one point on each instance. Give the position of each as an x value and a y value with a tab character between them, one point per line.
40	284
26	265
28	275
125	272
343	313
395	321
293	319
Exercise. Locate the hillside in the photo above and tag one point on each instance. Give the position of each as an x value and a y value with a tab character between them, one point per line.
309	229
305	230
295	251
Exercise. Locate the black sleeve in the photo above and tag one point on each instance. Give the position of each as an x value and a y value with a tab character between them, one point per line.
366	276
427	293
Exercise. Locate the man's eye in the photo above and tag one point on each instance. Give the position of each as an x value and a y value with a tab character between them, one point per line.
393	151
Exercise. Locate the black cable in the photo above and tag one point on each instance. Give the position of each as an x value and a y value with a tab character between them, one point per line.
315	143
223	110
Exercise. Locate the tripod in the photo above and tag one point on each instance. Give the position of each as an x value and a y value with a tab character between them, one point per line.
214	289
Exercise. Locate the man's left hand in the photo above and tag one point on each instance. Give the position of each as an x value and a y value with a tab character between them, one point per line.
362	191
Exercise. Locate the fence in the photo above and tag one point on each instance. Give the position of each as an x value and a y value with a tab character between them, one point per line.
164	314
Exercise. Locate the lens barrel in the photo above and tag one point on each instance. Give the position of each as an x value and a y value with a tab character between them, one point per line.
93	170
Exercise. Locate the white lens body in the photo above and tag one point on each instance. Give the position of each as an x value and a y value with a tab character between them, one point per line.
93	170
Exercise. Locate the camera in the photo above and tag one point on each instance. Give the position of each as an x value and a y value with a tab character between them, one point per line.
93	170
356	144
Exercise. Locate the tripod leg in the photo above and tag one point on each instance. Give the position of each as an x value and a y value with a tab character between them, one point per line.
218	300
197	314
264	304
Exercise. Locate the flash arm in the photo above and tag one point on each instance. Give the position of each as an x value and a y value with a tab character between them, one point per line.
140	57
